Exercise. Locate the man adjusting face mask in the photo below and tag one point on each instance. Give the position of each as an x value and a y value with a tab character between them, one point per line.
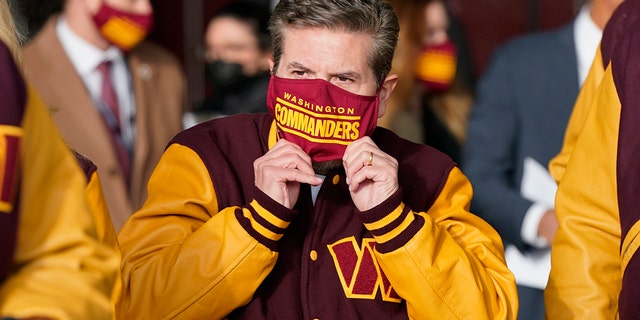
122	29
320	117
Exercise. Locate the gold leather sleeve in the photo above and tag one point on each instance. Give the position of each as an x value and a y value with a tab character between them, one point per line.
62	271
183	257
558	164
585	263
454	266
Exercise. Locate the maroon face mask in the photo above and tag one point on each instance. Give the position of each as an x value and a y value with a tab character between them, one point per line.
122	29
320	117
436	66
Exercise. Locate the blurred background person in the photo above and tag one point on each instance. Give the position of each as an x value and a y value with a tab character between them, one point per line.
52	265
237	51
434	94
524	101
116	100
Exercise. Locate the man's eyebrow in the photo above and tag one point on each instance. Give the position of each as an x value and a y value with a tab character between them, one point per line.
344	74
297	65
349	74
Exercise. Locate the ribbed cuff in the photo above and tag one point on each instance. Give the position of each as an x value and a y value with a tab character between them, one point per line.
391	223
265	219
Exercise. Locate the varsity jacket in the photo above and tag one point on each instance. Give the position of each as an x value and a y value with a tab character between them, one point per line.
595	267
208	244
52	263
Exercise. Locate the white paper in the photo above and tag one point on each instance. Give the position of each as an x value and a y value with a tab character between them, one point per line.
532	268
537	184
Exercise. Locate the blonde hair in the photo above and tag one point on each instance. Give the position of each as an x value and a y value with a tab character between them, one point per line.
8	32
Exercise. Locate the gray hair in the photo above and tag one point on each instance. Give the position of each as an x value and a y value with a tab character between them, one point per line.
372	17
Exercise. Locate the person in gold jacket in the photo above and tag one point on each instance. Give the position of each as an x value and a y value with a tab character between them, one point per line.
310	211
52	264
595	266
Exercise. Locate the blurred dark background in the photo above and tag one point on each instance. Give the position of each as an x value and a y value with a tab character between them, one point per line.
180	25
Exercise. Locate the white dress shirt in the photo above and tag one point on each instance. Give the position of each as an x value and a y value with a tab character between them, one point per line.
587	38
85	58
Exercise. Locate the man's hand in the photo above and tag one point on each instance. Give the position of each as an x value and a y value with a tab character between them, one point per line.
281	170
372	175
548	226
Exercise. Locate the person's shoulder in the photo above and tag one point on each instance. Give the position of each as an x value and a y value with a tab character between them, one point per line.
625	19
39	44
624	64
152	52
534	43
14	91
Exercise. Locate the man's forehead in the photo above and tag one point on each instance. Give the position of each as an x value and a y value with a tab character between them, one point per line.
304	47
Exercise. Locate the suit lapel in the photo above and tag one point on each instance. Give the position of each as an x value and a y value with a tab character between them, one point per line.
142	77
73	110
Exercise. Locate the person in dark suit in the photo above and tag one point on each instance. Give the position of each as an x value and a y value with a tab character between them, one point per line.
524	101
62	62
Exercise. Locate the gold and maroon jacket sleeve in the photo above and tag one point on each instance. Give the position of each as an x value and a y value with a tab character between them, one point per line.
446	256
183	256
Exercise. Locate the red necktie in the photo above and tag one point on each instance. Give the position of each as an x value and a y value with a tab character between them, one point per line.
112	117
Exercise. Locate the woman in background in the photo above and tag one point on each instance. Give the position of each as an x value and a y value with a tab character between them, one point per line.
434	94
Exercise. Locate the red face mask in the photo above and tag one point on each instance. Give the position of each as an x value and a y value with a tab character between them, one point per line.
122	29
436	66
320	117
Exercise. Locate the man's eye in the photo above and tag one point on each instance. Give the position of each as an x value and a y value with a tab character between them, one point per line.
299	73
344	79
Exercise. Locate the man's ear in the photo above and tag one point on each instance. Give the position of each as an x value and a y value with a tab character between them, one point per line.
385	92
270	61
266	61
